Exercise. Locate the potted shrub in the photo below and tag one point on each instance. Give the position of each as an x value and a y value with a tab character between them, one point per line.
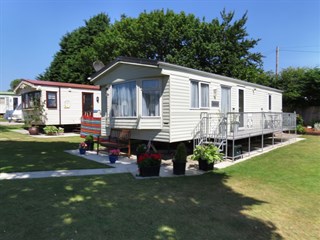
207	155
90	142
60	131
82	148
149	164
50	130
180	160
35	117
113	155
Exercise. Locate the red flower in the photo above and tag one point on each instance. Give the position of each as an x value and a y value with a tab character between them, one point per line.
149	159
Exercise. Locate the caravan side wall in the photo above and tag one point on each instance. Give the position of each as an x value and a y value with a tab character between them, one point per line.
69	105
184	119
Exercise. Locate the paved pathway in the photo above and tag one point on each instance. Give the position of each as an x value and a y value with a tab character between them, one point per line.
126	165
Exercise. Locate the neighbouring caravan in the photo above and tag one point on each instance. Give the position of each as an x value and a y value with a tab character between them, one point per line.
165	102
63	103
8	102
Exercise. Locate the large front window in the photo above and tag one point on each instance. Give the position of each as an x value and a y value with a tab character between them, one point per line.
199	95
30	99
150	98
124	100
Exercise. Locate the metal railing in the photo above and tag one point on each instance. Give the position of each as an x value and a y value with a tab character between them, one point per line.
218	128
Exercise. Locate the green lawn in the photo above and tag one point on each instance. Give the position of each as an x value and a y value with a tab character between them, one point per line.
273	196
21	153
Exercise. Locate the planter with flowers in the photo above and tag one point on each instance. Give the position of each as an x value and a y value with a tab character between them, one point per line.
113	155
82	148
149	164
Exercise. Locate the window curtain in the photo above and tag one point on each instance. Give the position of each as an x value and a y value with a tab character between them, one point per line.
194	94
124	100
204	95
150	98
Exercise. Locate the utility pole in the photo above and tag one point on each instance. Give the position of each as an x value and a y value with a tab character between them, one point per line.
277	62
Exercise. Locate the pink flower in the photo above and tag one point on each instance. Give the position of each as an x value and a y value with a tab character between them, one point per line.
114	152
83	145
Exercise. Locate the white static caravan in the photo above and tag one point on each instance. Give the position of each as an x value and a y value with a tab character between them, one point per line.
64	103
166	102
8	102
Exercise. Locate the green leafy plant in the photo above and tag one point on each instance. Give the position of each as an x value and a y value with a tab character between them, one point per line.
209	153
60	130
89	138
36	115
299	120
300	129
50	129
181	153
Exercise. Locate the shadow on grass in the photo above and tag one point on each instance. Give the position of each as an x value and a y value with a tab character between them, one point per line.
120	207
21	156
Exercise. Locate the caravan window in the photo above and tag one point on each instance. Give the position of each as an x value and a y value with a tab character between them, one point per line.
150	98
51	99
199	95
29	99
124	100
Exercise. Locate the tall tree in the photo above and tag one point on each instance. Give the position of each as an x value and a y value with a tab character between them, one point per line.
14	84
73	63
301	87
220	46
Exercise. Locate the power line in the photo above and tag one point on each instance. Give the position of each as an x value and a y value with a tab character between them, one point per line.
288	50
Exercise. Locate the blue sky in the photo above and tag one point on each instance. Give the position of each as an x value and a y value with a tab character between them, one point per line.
30	30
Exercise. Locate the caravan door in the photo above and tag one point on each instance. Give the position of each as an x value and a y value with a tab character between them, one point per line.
87	104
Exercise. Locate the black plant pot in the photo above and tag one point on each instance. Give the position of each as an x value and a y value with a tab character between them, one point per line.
205	166
179	168
149	171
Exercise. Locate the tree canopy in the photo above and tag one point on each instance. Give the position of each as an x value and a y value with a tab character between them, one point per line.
221	46
301	87
14	84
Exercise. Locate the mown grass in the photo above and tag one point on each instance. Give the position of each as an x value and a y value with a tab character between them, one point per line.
21	153
273	196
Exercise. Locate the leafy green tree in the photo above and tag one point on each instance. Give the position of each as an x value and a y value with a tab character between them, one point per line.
221	46
14	84
301	87
73	63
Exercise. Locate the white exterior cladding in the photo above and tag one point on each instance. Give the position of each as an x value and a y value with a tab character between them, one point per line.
177	119
69	102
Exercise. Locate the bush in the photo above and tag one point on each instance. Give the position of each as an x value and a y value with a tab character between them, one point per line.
50	130
299	120
89	138
300	129
181	153
209	153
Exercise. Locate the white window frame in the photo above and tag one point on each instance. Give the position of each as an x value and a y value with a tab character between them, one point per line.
135	102
156	89
199	102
